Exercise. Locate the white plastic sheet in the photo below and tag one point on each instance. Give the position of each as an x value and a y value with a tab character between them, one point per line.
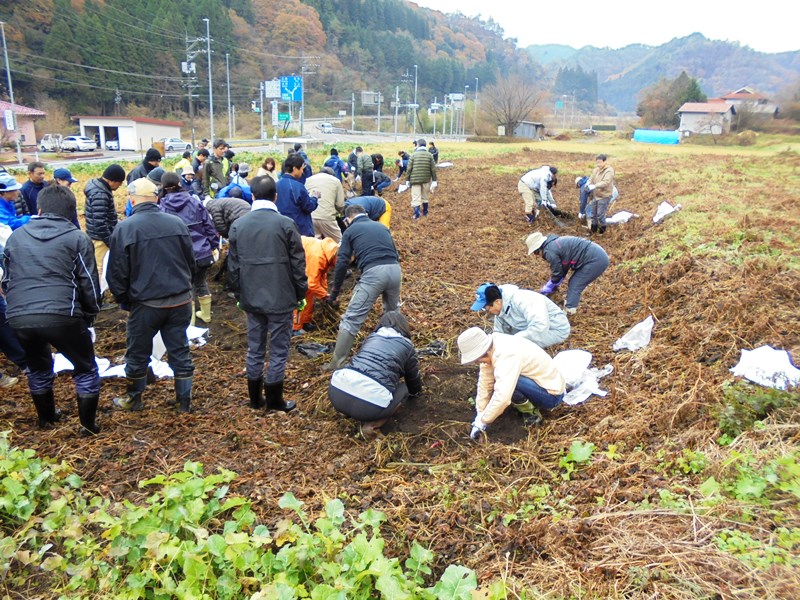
402	188
444	165
636	337
582	382
622	216
769	367
664	209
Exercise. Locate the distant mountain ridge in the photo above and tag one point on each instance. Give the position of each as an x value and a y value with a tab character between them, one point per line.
719	66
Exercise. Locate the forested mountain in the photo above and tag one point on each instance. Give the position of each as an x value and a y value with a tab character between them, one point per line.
719	66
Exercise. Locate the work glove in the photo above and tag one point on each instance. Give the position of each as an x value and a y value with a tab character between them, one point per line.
215	255
478	427
301	305
215	186
548	288
434	185
591	187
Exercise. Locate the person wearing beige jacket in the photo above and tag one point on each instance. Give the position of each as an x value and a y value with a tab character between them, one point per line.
513	370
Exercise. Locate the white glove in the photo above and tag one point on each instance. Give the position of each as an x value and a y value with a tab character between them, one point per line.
478	427
434	185
358	177
215	186
591	187
215	255
206	200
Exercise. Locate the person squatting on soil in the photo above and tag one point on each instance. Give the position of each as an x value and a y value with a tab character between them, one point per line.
523	313
377	208
330	203
421	178
534	189
586	259
150	269
601	189
376	257
369	389
267	273
53	294
320	260
205	241
513	370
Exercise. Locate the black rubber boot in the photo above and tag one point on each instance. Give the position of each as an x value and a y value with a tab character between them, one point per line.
255	388
87	413
46	408
601	230
273	394
132	400
594	227
424	209
183	394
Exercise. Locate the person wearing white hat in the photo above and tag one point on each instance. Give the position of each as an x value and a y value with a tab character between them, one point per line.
513	370
586	259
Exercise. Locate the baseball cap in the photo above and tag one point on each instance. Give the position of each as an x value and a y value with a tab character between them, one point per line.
65	175
480	297
142	187
8	183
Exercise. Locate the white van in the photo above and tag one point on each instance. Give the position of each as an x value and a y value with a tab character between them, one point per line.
325	127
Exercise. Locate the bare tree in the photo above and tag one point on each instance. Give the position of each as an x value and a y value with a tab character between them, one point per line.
510	101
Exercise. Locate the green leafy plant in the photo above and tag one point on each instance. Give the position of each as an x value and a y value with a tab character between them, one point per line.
579	453
743	404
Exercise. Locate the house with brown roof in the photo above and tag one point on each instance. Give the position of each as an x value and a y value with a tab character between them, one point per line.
26	118
713	117
747	99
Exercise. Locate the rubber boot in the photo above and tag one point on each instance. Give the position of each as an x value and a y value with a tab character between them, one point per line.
87	412
46	408
273	394
424	209
132	400
593	227
344	342
192	320
530	218
183	394
530	414
416	213
255	389
205	308
601	229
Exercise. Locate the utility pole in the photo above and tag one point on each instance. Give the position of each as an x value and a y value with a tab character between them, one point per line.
262	134
353	112
435	110
380	100
415	102
464	116
305	69
228	81
210	88
11	94
189	68
396	107
475	110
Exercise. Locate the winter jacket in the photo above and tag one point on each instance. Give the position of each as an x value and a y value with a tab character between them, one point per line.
377	161
386	356
370	242
320	257
224	211
99	210
192	212
247	193
307	170
434	151
374	206
568	252
9	216
603	180
140	170
365	166
295	203
528	314
50	269
266	261
30	194
352	162
537	180
421	167
331	200
338	166
214	172
150	257
512	357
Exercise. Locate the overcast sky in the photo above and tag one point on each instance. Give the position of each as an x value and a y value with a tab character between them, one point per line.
767	26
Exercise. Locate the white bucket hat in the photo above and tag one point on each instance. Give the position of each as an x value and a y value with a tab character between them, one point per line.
534	241
473	343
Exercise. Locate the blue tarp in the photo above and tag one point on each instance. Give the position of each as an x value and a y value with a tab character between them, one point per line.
655	136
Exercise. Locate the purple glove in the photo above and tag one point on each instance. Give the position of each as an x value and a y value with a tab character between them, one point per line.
548	288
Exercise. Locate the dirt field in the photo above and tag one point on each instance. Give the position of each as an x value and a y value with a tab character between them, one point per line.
588	538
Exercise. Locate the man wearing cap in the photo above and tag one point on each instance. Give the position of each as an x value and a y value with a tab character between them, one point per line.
53	296
152	159
150	268
523	313
586	259
330	203
534	189
513	370
215	176
31	188
9	195
100	211
422	178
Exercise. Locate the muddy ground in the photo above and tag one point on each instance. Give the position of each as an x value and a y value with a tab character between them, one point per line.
434	484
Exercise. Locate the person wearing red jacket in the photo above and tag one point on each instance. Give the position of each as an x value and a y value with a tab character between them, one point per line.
320	259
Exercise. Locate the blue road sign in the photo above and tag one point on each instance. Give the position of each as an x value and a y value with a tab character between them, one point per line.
291	88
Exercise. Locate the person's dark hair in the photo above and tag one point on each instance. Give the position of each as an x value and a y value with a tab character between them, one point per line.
57	200
328	170
234	167
352	210
298	146
170	183
263	188
236	192
553	170
396	321
492	293
267	161
229	154
553	182
293	161
219	142
203	152
603	157
186	154
35	165
334	152
359	149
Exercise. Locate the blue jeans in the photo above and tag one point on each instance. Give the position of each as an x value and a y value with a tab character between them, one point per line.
382	186
540	397
143	324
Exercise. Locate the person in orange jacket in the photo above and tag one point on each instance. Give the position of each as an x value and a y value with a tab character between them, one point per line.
320	259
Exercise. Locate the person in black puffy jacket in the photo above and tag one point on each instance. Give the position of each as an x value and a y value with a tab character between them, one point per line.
100	212
369	389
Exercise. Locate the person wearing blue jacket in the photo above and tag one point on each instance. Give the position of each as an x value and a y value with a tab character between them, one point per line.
9	193
337	164
293	199
369	389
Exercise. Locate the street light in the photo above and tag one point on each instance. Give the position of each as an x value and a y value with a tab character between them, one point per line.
228	80
464	116
210	91
11	94
475	110
415	102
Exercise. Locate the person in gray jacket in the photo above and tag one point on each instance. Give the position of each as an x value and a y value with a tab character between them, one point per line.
523	313
369	389
267	273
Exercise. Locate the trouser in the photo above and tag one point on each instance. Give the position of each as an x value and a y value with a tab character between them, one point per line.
300	318
402	167
584	199
527	197
276	327
200	280
74	341
382	186
363	410
420	194
386	217
100	251
584	275
327	229
597	210
366	183
380	280
9	343
540	397
143	324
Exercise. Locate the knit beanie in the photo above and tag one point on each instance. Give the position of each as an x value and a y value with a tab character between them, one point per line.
152	155
114	173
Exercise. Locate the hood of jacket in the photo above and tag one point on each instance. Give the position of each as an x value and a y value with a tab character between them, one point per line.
48	227
177	201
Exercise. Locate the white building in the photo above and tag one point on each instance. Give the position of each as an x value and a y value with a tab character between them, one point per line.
132	133
706	117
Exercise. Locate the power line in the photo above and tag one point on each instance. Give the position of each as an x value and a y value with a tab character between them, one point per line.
150	29
126	73
96	87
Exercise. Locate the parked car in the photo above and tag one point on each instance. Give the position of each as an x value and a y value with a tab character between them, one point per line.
112	144
78	142
51	142
325	127
171	144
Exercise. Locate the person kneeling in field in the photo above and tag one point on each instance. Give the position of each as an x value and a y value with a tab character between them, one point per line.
369	389
513	370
